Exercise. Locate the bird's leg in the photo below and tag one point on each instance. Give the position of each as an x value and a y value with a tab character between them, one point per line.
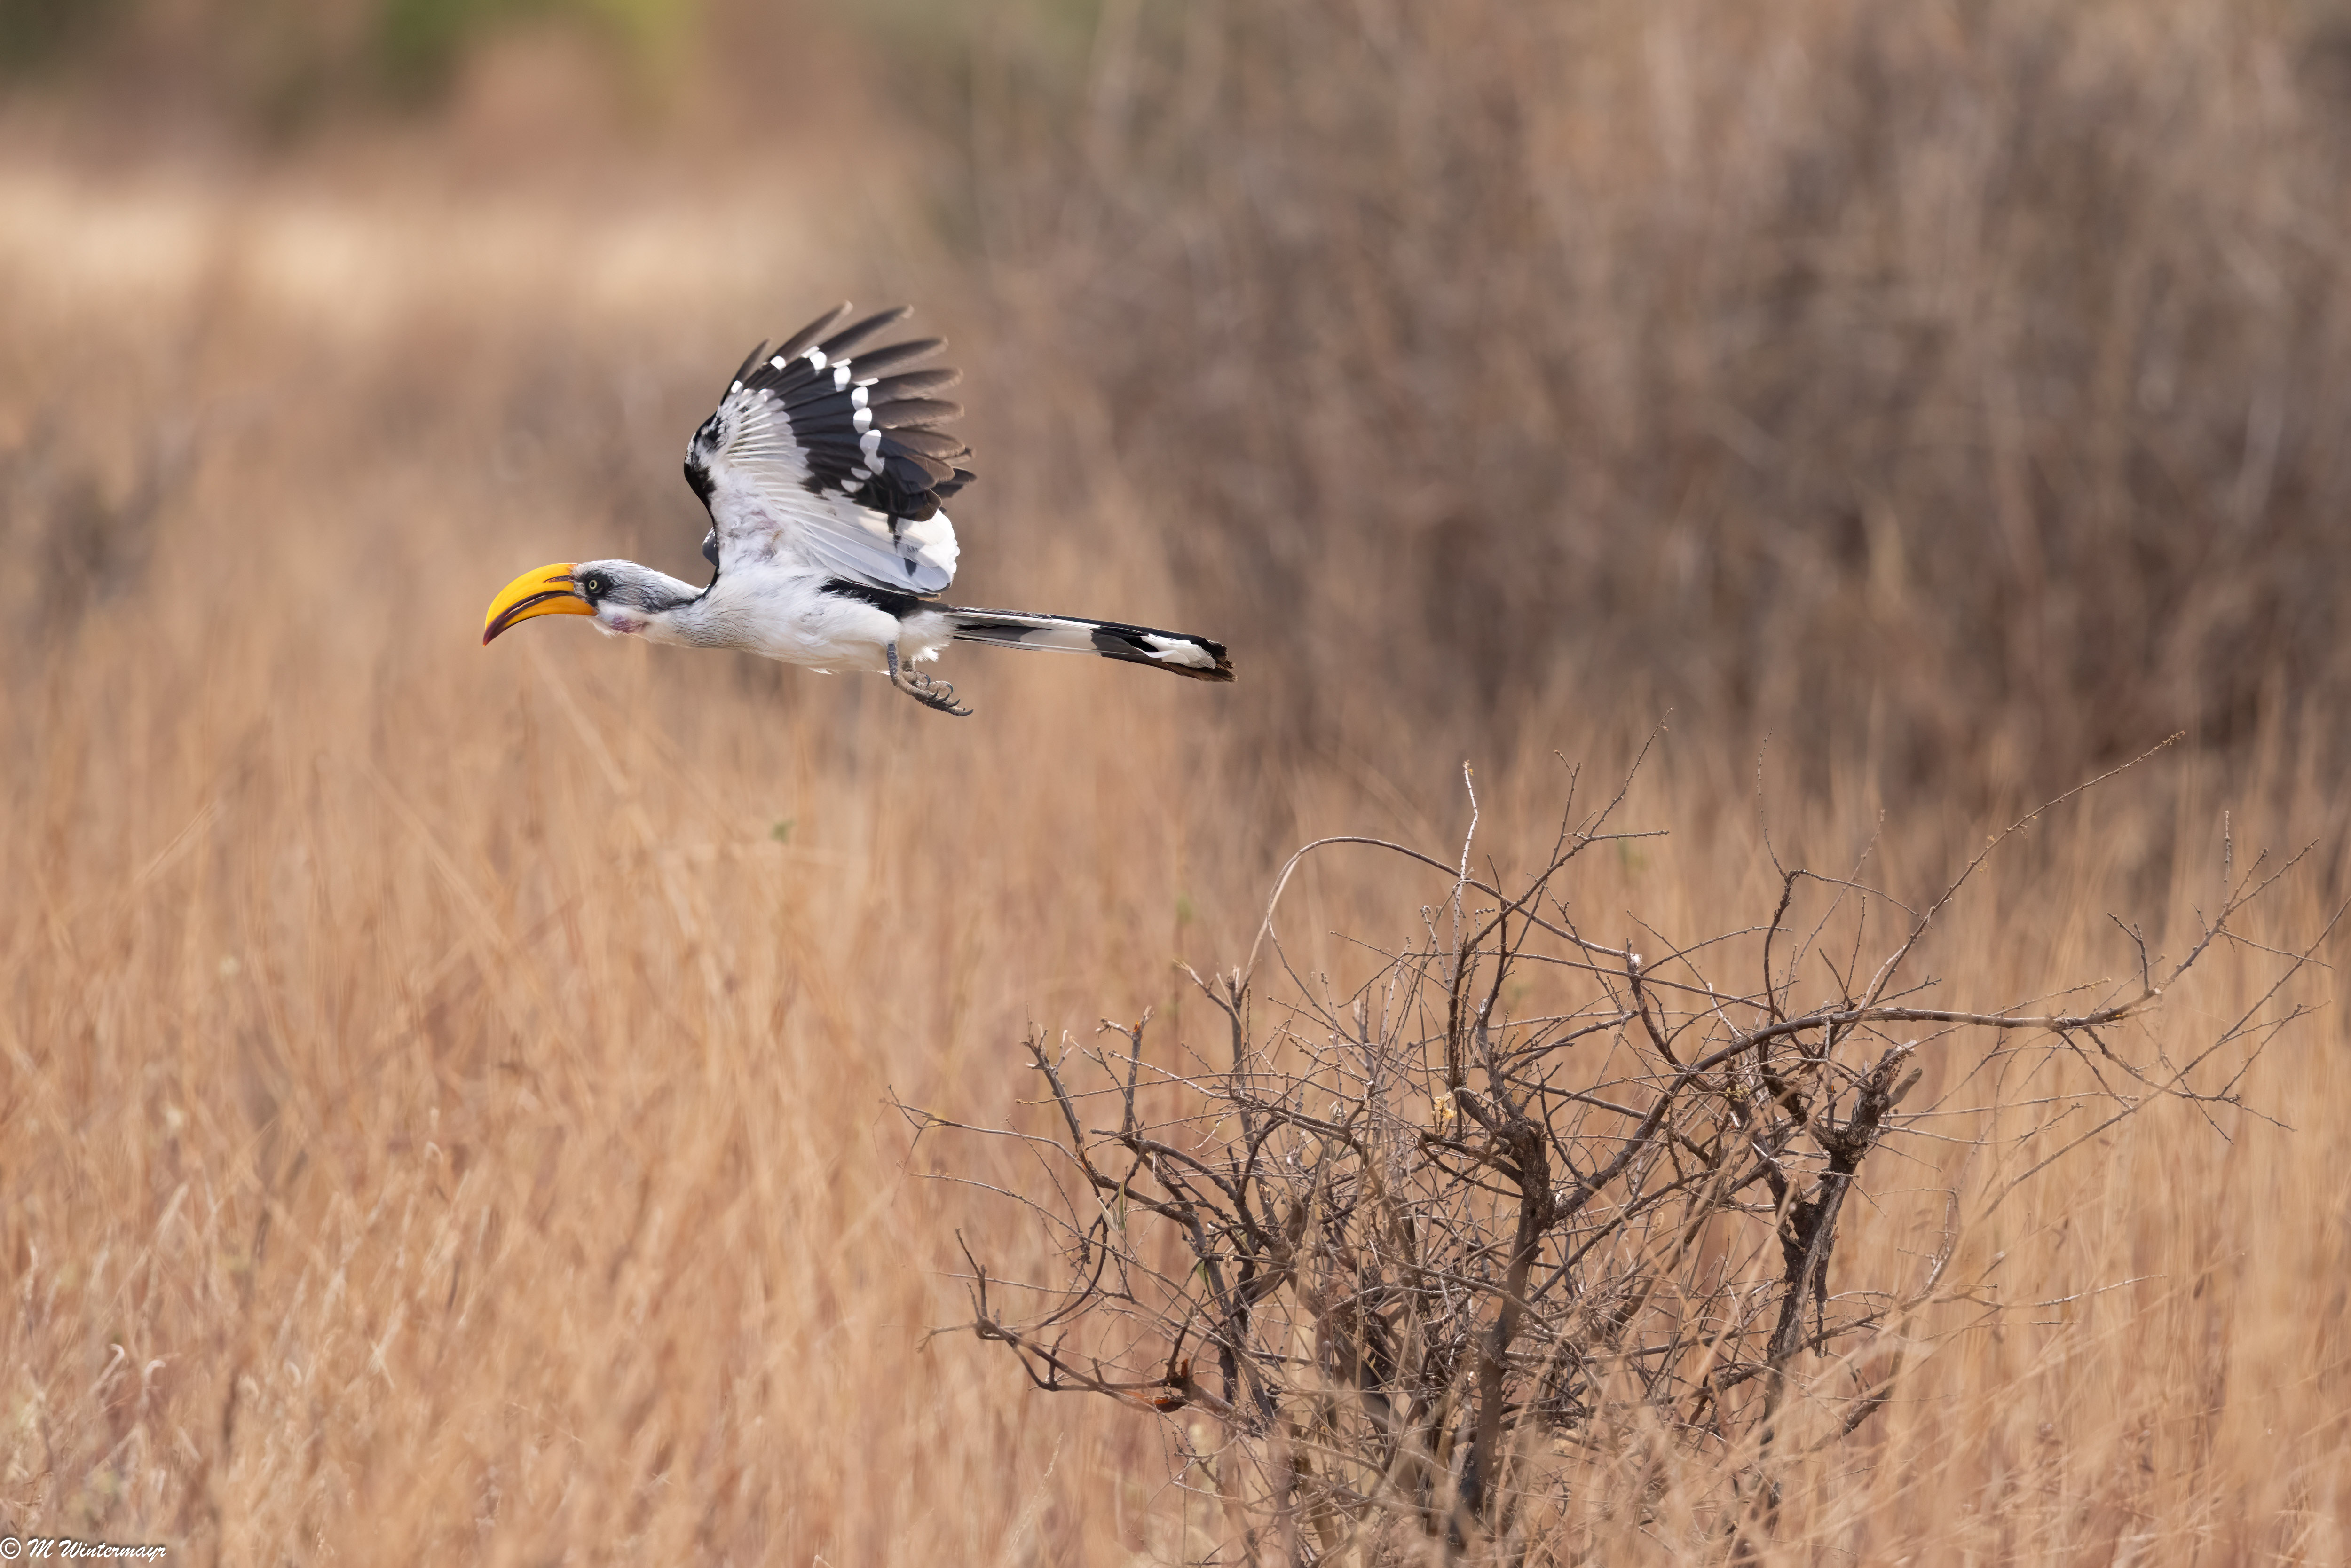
931	694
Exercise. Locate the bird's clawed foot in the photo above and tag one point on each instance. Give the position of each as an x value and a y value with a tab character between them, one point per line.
931	694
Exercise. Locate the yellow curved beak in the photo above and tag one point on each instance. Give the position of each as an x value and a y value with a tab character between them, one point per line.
542	590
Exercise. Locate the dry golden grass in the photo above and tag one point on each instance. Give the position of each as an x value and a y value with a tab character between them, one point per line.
442	1090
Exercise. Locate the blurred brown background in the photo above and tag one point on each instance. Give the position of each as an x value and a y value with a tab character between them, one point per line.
1958	385
442	1089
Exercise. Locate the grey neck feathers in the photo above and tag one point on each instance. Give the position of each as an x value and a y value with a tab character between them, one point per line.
663	592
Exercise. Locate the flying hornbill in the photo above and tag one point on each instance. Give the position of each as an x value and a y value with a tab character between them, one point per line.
822	471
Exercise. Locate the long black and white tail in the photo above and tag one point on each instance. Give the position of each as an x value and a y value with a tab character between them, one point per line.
1179	653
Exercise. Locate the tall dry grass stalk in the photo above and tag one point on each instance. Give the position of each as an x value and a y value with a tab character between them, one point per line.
444	1094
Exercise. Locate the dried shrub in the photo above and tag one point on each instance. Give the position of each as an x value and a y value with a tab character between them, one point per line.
1527	1236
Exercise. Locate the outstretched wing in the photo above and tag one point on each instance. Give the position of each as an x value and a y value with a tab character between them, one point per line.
834	459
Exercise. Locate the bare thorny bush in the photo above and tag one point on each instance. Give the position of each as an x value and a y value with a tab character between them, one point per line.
1530	1229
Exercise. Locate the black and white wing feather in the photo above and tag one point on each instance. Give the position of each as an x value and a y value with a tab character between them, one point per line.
834	459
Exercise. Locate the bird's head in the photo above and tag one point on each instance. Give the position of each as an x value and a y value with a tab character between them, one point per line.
621	596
